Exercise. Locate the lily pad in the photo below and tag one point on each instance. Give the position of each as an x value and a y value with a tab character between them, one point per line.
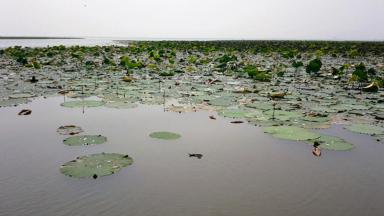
82	103
165	135
332	143
291	133
365	129
69	130
282	115
85	140
241	113
13	102
121	105
96	165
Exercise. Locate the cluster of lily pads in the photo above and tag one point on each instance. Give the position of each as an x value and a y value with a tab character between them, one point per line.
290	88
95	165
101	164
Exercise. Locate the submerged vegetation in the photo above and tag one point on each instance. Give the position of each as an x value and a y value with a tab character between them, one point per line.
290	88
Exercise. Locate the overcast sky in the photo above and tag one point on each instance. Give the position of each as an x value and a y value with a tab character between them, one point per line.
215	19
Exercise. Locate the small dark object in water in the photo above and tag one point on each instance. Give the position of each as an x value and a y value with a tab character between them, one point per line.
25	112
94	176
199	156
34	80
316	150
125	156
316	144
237	122
212	117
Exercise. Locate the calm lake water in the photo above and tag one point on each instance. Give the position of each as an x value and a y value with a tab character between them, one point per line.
55	42
243	172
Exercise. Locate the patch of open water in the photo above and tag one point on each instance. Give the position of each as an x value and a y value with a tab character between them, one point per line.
243	171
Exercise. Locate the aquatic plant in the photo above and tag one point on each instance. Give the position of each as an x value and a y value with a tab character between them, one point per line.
291	133
332	143
314	66
165	135
85	140
82	103
69	130
96	165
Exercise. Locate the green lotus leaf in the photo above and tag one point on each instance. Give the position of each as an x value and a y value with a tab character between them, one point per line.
165	135
82	103
96	165
85	140
283	115
260	105
240	113
365	129
222	101
291	133
13	102
69	130
120	105
332	143
20	95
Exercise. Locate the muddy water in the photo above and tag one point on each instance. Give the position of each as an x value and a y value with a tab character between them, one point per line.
243	171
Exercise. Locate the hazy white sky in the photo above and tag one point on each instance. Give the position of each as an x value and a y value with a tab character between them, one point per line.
225	19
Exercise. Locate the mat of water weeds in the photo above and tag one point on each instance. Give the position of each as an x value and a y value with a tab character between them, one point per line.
96	165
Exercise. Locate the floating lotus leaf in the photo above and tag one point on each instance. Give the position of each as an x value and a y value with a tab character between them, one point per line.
121	105
332	143
13	102
282	115
223	101
82	103
180	109
165	135
291	133
240	113
69	130
365	129
260	105
85	140
96	165
316	119
20	95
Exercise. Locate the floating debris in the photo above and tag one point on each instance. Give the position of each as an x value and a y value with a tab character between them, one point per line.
25	112
198	156
69	130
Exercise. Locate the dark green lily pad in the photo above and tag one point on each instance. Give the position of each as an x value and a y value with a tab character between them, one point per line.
365	129
96	165
69	130
82	103
291	133
332	143
85	140
165	135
